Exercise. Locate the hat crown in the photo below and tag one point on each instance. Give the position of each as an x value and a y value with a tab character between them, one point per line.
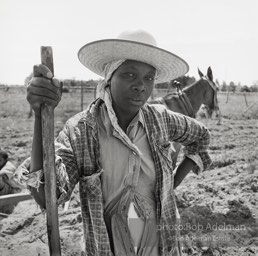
140	36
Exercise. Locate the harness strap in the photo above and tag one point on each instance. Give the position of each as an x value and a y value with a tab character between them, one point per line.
189	108
183	97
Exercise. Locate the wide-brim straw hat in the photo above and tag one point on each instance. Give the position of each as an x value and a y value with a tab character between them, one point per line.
134	45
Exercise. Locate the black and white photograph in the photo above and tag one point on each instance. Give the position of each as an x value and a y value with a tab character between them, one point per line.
129	128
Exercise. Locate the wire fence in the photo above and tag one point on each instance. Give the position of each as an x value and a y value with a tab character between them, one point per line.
77	99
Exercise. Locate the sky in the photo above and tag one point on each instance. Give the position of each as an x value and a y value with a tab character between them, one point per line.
222	34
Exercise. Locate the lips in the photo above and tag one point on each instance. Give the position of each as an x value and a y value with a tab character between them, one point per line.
136	101
137	97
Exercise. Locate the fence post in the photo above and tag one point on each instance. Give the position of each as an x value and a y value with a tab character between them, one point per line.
81	96
227	96
152	94
245	100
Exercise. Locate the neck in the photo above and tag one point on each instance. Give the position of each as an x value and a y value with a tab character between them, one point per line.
124	118
195	94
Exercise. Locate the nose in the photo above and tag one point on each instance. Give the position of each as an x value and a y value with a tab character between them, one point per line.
139	86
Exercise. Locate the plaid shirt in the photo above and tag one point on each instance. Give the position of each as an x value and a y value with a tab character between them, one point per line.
77	160
78	147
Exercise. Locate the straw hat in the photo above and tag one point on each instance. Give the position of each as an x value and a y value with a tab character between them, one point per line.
134	45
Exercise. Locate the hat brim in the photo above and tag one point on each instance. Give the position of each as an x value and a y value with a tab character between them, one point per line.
97	54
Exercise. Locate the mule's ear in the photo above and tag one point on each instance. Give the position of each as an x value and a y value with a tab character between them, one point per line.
209	74
200	73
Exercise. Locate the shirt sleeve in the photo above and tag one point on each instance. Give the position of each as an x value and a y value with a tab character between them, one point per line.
68	165
7	173
67	174
195	138
9	169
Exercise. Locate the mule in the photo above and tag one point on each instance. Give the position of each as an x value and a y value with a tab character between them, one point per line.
189	100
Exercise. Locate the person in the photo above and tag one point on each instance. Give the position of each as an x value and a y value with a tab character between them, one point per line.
7	184
119	149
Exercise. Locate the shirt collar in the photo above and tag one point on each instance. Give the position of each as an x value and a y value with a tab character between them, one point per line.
138	119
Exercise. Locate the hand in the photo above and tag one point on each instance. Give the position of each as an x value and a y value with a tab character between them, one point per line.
43	88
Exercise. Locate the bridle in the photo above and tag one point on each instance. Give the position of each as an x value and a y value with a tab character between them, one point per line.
215	101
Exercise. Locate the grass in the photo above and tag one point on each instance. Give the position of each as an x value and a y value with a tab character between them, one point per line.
14	106
234	105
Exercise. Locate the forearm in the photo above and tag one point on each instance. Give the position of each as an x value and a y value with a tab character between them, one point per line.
36	152
43	88
37	160
182	170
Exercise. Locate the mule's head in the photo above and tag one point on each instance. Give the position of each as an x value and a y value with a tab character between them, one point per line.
210	97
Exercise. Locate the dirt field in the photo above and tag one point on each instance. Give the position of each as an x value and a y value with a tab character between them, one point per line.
219	208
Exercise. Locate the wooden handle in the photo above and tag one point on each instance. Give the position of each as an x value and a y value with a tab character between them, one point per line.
47	114
47	57
14	198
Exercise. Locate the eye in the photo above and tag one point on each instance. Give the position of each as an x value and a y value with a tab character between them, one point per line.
130	74
150	78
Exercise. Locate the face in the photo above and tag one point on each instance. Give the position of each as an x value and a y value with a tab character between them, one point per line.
131	86
211	99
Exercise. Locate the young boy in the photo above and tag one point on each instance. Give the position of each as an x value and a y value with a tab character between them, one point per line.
7	184
119	149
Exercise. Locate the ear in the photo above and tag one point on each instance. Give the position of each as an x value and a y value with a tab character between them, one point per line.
209	73
200	73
